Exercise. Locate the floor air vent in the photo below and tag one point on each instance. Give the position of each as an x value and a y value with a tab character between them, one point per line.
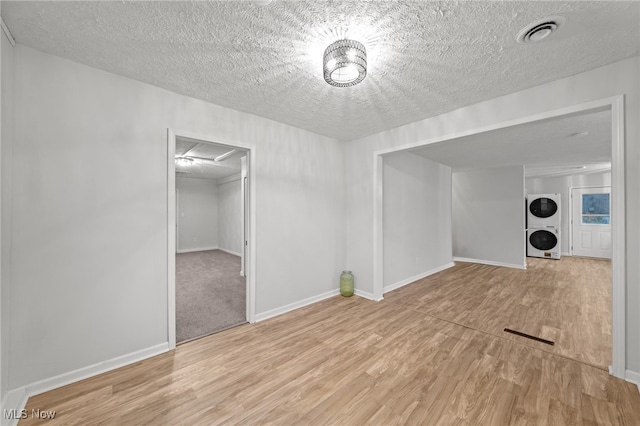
528	336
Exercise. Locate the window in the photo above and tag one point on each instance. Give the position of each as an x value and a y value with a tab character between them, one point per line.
595	209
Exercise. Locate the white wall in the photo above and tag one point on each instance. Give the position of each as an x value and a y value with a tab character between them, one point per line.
488	215
561	185
90	212
230	215
209	214
416	217
197	214
611	80
7	63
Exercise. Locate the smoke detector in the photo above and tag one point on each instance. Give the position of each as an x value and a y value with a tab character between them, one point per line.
540	29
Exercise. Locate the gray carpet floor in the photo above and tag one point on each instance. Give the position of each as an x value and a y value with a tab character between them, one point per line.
210	293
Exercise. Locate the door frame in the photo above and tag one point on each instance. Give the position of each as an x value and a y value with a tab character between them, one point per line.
250	240
571	188
615	104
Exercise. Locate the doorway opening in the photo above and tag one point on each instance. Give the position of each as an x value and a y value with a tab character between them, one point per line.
211	279
435	150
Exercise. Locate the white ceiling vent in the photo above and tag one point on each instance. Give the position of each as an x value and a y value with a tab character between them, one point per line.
540	29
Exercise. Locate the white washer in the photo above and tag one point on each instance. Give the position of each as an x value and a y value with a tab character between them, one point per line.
543	211
543	243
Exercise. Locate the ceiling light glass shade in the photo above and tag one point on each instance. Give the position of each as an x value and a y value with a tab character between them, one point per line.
345	63
183	161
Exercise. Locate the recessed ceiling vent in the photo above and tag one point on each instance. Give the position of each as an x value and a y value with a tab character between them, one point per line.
540	29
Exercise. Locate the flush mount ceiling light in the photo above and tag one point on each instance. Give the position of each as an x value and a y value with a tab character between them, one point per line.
345	63
183	161
540	29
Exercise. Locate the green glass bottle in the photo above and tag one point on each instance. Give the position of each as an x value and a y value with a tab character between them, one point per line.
346	284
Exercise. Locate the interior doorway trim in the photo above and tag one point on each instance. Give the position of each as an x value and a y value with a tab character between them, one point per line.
250	263
618	227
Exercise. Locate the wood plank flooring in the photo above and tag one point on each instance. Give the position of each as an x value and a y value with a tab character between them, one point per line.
351	361
567	301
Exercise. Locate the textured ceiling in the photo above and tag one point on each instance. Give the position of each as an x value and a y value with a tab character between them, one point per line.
203	165
425	58
548	147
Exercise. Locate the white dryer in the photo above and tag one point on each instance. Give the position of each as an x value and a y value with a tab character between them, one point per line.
543	211
543	243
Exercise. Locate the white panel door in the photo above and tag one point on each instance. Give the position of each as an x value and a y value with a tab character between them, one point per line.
177	220
591	222
244	208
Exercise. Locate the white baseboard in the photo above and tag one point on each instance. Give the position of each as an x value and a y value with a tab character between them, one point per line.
191	250
14	401
633	377
17	398
95	369
409	280
229	251
366	295
565	254
490	262
296	305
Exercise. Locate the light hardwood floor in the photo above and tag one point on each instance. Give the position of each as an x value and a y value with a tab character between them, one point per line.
567	301
351	361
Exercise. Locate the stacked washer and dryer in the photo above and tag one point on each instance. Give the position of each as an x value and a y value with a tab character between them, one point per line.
543	226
